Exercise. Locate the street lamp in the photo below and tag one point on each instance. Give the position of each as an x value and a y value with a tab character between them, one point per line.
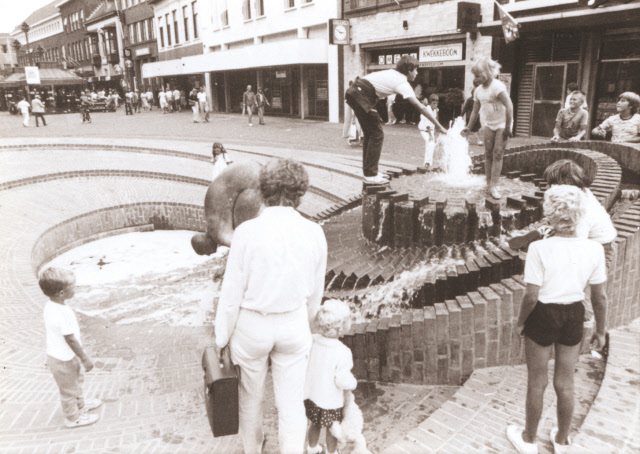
128	65
25	29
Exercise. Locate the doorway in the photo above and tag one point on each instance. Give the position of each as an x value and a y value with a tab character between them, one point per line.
550	81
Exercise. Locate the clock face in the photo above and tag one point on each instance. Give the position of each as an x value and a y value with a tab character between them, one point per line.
340	32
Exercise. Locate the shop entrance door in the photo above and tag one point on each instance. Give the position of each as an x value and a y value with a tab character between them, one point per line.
550	80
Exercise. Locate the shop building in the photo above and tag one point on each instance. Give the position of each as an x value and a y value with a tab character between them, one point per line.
562	42
383	31
75	50
280	46
45	35
140	40
8	58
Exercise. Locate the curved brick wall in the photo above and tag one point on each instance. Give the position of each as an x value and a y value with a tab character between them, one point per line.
463	331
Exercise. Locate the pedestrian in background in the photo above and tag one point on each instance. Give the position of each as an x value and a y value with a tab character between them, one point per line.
249	103
428	129
195	105
85	103
24	107
183	100
144	102
128	102
38	110
169	95
135	98
204	105
261	100
176	100
150	99
162	98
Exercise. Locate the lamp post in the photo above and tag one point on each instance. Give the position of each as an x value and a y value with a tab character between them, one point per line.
129	65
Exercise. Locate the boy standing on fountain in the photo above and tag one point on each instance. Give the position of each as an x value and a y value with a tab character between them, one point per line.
362	96
64	347
493	104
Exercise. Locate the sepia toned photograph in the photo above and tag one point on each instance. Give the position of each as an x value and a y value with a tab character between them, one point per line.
319	226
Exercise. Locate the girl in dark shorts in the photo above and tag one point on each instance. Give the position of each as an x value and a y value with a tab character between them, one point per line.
328	374
557	271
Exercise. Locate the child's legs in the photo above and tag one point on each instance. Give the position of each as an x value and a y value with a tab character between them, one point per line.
537	358
430	146
332	442
489	139
498	153
566	358
314	434
68	376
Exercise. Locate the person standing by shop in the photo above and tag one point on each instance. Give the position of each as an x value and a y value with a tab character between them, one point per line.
162	98
261	100
38	110
24	107
149	95
195	105
128	102
363	96
169	95
204	105
176	100
248	103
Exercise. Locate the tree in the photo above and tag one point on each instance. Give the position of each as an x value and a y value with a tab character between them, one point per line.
16	45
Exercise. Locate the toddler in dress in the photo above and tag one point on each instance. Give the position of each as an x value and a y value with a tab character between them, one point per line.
328	374
220	160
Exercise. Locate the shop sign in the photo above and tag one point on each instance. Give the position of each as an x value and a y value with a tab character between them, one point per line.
143	51
281	74
322	91
32	74
431	64
276	102
445	52
391	59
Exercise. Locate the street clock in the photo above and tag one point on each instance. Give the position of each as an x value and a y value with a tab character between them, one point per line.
339	31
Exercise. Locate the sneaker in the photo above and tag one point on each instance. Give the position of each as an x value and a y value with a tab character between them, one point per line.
317	449
557	448
376	180
91	404
84	419
514	434
522	241
383	175
495	194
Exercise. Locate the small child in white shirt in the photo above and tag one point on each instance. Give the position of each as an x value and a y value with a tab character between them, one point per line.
219	160
328	374
427	130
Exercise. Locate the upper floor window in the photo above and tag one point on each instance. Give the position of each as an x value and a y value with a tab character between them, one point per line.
185	20
224	13
175	25
259	8
139	32
145	28
194	15
168	24
246	9
289	4
152	30
161	34
5	48
124	4
132	36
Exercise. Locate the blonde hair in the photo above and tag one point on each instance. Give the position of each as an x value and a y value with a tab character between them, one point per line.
53	280
333	318
564	207
486	67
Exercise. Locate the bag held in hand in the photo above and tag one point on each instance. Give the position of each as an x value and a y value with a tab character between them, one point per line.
221	379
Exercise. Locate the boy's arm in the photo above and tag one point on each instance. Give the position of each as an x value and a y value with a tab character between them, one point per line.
73	343
503	97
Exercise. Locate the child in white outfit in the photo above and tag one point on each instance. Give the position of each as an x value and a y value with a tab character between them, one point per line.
427	129
220	160
328	374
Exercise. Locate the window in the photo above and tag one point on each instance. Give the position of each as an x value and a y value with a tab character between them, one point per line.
4	48
168	24
289	4
132	37
65	24
246	9
259	8
161	37
185	19
146	30
138	32
307	1
152	29
175	25
224	14
81	16
194	14
124	4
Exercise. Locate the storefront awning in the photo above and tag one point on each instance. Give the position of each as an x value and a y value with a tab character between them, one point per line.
48	76
294	52
620	15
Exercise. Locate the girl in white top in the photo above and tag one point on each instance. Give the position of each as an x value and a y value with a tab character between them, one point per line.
551	314
427	129
328	374
493	104
163	101
219	160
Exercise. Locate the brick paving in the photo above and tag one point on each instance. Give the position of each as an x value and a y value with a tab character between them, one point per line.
148	376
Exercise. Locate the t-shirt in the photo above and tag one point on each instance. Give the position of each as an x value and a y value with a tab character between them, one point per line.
390	82
622	130
23	106
492	111
60	321
562	267
426	124
571	122
169	95
596	223
176	94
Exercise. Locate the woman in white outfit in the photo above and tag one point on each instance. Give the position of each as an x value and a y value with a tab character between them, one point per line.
272	288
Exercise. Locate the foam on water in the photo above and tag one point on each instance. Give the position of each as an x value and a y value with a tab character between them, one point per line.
452	154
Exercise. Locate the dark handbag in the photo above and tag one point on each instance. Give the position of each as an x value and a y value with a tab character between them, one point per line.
221	380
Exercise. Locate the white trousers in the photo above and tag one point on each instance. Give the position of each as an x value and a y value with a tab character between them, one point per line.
430	146
25	118
286	339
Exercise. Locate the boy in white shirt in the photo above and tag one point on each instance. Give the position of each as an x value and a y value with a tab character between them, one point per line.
64	347
427	130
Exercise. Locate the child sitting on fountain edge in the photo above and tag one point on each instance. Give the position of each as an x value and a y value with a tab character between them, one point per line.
328	374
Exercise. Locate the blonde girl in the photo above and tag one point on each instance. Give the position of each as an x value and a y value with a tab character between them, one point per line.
328	374
492	102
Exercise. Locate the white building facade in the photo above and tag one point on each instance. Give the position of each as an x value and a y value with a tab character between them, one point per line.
280	46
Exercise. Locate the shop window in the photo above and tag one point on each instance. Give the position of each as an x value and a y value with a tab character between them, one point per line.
621	47
185	19
614	78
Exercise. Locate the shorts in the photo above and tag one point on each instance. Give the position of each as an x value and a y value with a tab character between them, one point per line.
320	416
551	323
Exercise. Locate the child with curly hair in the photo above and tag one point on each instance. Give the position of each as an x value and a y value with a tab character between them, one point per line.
328	374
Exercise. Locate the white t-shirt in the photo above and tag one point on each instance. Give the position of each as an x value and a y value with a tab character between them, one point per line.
562	267
596	223
425	123
23	106
329	373
389	82
622	130
493	114
60	321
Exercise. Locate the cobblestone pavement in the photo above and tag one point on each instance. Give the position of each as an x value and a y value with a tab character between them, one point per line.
149	376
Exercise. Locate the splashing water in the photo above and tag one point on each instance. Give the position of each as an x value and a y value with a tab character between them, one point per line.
453	152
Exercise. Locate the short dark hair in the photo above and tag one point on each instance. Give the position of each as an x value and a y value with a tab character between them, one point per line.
565	171
283	182
572	86
407	64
